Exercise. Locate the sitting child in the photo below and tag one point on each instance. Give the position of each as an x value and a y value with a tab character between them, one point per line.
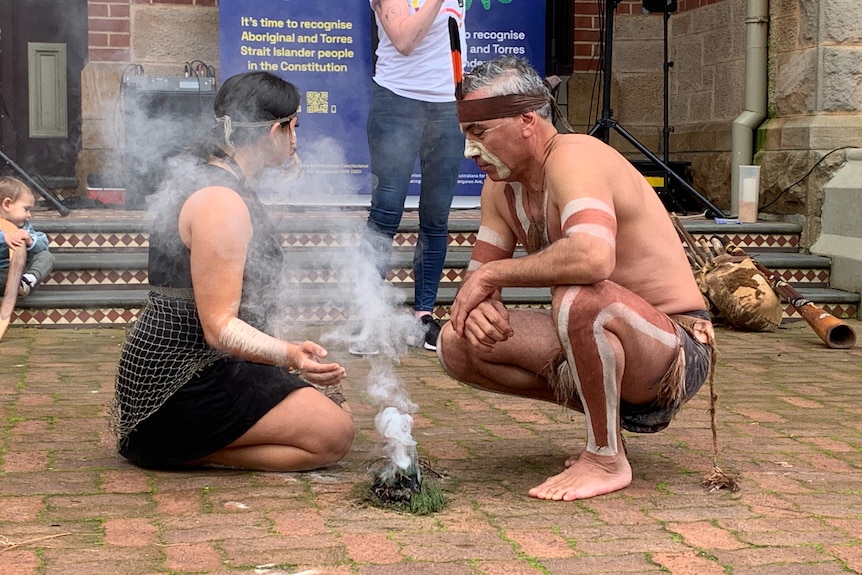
16	202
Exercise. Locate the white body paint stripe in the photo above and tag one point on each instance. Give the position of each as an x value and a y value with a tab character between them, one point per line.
563	329
595	230
606	355
518	189
581	204
241	336
488	235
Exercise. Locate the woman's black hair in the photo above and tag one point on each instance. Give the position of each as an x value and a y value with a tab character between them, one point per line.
247	97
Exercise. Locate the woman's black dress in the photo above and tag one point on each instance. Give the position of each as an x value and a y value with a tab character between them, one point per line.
177	399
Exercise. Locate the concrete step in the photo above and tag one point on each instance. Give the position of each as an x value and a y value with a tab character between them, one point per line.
69	308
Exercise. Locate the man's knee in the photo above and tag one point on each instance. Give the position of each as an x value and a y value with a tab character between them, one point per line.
446	347
577	308
456	358
451	351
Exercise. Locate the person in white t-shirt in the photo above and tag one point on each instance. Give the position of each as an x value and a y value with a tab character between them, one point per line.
413	115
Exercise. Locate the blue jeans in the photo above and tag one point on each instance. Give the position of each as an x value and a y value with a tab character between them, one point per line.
39	264
399	130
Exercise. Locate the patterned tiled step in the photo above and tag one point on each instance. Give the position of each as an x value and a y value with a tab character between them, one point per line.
91	233
337	229
839	303
105	270
298	230
77	308
313	267
795	268
120	307
100	276
751	237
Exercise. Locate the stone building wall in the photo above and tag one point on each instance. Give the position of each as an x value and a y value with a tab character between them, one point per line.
814	93
158	35
815	103
706	52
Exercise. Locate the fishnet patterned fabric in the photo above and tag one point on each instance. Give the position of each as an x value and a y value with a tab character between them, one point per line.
162	352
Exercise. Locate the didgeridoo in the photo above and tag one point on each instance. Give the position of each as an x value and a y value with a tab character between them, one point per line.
835	333
17	261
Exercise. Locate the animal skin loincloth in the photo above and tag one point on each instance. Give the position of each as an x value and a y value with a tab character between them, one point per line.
683	379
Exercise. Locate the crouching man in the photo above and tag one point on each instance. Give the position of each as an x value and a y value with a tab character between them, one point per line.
628	338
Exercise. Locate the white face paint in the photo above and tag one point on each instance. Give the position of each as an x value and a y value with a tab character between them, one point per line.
473	148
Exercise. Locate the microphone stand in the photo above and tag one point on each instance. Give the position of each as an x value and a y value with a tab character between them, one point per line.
606	123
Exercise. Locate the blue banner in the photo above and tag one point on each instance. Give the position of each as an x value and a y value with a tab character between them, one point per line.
325	49
505	28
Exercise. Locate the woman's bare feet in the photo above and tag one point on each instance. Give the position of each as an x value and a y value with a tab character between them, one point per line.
589	476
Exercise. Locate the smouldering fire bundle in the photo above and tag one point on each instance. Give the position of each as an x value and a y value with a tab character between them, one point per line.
386	327
406	490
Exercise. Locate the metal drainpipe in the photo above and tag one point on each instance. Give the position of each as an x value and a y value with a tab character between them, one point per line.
742	132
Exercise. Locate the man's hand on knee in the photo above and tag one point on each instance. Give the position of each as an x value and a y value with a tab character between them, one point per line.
487	325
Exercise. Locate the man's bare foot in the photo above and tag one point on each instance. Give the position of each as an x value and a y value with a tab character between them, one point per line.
589	476
573	458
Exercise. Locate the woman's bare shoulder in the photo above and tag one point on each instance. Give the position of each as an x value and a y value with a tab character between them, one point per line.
216	209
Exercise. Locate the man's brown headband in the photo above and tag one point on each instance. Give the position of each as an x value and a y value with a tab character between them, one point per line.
481	109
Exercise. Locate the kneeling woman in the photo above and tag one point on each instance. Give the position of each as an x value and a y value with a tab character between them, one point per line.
201	381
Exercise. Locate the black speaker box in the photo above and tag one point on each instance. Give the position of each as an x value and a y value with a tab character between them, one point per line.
159	123
659	5
674	197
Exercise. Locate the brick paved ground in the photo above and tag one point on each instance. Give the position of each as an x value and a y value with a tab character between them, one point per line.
790	416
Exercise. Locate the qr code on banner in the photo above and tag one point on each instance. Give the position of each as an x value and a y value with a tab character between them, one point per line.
317	102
